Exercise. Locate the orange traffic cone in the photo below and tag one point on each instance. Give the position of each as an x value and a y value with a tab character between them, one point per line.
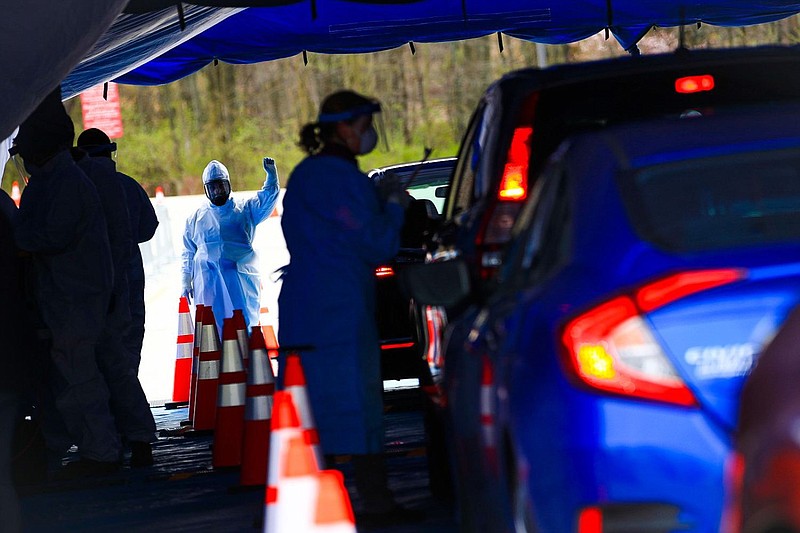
15	195
285	425
294	381
334	512
258	412
159	194
299	496
241	334
205	408
269	333
198	334
229	425
183	356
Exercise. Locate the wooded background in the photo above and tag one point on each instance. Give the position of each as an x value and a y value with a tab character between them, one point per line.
240	113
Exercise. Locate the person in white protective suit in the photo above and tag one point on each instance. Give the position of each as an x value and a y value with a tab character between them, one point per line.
220	267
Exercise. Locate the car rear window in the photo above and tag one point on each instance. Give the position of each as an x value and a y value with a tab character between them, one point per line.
717	202
569	107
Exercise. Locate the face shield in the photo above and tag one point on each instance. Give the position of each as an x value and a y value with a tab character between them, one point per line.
217	183
374	135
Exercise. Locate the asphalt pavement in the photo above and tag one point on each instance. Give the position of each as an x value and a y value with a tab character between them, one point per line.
183	492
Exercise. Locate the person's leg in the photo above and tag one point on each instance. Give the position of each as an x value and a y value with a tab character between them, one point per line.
129	404
84	400
372	483
10	515
133	338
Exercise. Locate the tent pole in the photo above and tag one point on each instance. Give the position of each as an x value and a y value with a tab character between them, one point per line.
541	55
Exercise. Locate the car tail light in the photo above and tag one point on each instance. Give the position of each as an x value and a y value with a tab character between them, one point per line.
611	348
514	183
397	345
513	190
384	271
590	520
694	84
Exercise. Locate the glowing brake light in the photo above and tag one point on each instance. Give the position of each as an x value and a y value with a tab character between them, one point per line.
694	84
514	183
611	347
590	520
384	271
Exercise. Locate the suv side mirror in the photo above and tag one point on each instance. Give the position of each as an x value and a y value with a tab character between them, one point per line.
443	284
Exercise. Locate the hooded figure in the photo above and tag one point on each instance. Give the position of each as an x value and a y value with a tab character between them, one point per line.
143	223
129	403
220	267
61	223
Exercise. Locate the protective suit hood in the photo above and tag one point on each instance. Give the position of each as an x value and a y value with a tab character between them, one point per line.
217	183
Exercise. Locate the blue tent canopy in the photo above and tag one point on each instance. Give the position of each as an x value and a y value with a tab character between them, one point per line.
158	41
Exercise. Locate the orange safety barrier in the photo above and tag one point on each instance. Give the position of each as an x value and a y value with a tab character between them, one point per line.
229	426
183	356
258	412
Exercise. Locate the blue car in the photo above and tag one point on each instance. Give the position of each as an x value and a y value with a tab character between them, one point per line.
596	388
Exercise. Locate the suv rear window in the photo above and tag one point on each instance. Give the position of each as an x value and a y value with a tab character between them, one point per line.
717	202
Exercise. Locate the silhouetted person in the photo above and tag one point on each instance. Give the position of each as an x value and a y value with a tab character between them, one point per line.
61	223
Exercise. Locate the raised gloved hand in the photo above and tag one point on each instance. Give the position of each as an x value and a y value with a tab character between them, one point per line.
187	291
270	168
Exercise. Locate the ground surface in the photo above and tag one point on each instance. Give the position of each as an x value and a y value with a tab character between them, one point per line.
182	492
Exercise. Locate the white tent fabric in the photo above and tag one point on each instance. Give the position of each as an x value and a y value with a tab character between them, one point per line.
42	40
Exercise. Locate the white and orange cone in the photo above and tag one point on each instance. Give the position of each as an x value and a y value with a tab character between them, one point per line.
299	496
184	353
268	329
334	512
294	381
229	426
207	374
15	194
280	508
241	334
198	334
258	412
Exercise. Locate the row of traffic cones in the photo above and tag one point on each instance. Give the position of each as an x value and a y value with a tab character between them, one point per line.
228	387
275	445
188	347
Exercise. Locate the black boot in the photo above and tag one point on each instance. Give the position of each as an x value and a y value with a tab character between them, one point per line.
380	507
141	454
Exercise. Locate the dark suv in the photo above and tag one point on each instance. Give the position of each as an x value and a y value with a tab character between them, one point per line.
400	353
524	116
519	122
